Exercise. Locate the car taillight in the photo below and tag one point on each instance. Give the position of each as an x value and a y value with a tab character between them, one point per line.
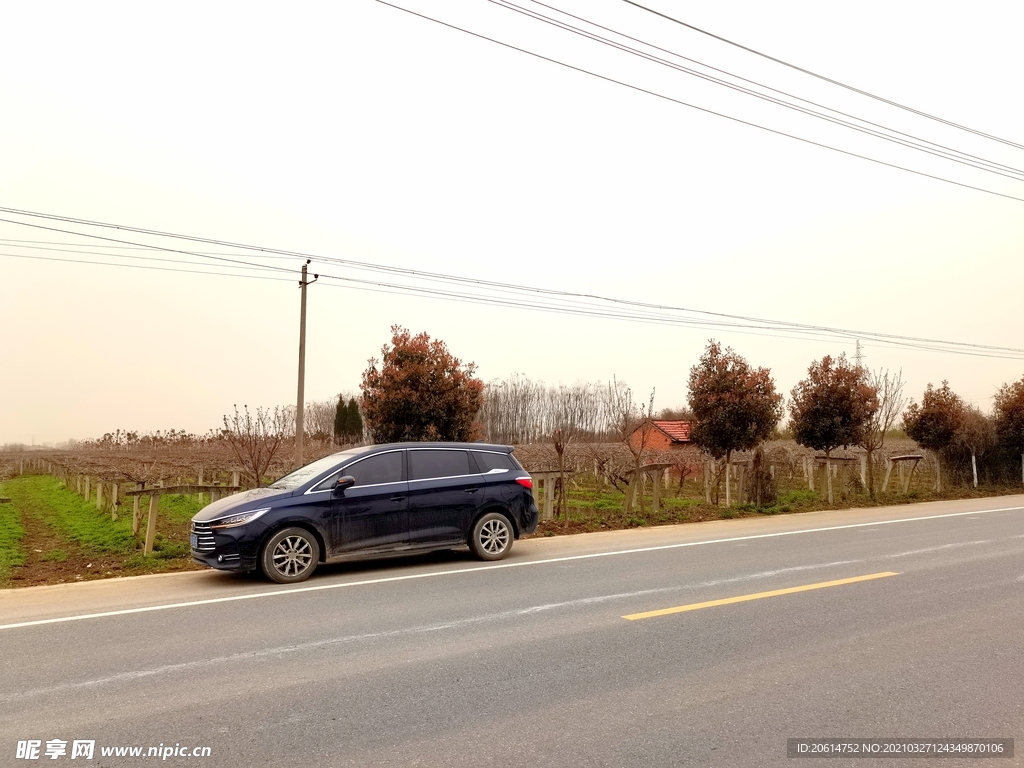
525	482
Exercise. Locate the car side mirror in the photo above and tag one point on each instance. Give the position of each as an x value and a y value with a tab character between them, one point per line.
343	482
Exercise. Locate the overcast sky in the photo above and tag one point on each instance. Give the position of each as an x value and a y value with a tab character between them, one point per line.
357	131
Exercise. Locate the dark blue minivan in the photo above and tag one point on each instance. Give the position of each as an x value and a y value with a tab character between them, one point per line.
374	501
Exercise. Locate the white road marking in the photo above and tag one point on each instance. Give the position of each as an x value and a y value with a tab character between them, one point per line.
943	546
475	569
138	674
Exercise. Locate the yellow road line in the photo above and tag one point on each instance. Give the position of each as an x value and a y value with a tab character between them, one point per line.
757	596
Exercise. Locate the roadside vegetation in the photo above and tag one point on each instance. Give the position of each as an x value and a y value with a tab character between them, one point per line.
593	506
12	552
49	534
846	437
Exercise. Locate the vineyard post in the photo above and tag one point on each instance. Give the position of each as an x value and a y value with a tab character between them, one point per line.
136	510
154	504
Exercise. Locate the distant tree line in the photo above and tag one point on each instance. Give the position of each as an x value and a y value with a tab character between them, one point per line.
418	390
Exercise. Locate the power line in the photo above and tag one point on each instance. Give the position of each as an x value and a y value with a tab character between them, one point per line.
719	317
639	311
824	78
910	141
485	284
699	108
124	242
651	319
975	350
131	256
143	266
16	242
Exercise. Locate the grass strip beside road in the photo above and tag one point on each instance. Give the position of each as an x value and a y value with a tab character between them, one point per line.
12	553
72	517
50	534
179	509
757	596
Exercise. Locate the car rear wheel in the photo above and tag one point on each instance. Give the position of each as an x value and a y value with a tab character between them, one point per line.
492	536
290	556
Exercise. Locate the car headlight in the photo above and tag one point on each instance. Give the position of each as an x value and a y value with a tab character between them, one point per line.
240	519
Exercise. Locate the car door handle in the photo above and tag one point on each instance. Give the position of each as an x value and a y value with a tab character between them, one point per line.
471	490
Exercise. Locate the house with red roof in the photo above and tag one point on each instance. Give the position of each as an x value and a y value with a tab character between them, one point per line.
662	435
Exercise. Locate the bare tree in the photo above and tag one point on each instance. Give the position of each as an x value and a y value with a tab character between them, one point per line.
676	414
318	419
561	440
633	429
977	434
520	411
513	410
889	395
255	439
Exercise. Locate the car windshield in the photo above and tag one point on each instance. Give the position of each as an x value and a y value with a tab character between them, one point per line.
303	475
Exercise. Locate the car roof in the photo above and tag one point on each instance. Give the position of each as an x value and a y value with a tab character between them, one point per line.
392	446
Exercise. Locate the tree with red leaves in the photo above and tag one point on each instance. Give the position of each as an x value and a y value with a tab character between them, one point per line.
935	422
832	407
736	407
1009	418
419	392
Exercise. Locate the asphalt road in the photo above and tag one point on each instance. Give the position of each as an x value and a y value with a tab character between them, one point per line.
443	661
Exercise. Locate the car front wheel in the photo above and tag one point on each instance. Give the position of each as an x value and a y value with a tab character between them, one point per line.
290	556
492	536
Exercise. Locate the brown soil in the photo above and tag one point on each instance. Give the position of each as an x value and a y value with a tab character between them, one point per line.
41	541
613	522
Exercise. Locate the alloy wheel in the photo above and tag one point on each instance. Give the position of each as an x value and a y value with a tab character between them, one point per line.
292	556
494	536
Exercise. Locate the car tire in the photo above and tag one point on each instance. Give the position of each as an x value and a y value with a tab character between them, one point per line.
290	556
491	537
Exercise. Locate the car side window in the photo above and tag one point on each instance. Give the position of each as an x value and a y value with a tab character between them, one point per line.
426	464
491	462
373	470
326	485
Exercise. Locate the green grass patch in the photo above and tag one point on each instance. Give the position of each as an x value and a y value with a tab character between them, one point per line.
12	554
70	515
163	550
672	502
54	555
181	509
608	503
798	497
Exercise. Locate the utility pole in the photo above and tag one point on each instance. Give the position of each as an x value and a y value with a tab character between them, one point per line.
859	356
300	398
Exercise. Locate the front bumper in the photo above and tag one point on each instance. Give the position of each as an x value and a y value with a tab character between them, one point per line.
230	549
237	564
